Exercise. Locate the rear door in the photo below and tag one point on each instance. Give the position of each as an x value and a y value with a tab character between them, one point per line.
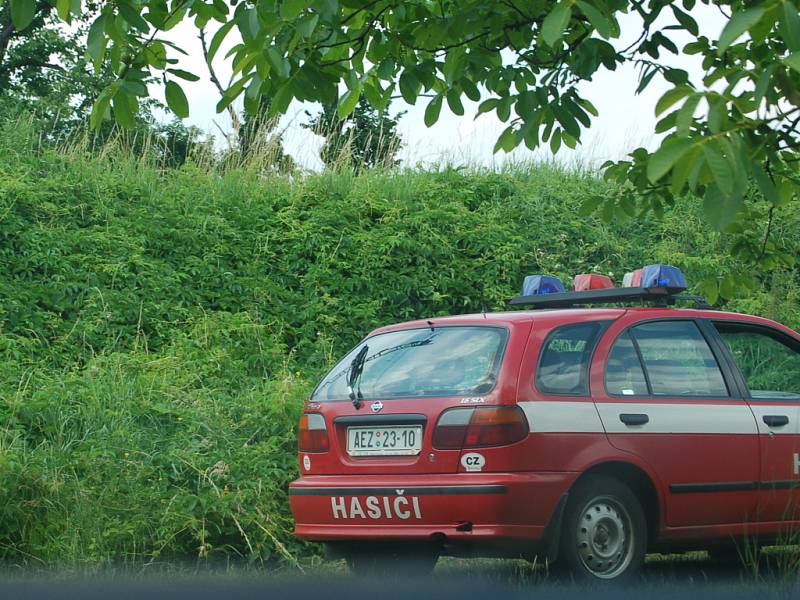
664	394
769	362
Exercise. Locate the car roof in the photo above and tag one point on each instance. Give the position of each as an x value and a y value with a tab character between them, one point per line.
553	317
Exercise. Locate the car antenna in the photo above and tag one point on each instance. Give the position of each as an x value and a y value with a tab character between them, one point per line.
483	302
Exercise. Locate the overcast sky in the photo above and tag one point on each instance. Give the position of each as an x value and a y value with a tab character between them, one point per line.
626	121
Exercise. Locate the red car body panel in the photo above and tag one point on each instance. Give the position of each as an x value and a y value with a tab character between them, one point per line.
513	505
698	469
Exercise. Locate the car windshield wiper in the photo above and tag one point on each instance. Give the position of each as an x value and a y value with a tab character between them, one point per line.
356	368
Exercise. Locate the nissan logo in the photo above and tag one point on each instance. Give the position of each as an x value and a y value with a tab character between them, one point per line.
376	406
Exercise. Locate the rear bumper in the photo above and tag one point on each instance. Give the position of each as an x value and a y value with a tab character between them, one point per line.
464	507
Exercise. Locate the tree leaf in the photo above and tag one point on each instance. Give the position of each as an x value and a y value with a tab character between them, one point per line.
100	109
282	98
132	17
307	24
686	20
471	90
681	170
728	286
279	63
22	13
672	96
596	18
666	156
409	86
567	120
555	22
64	9
645	78
184	74
589	205
790	25
589	107
348	101
125	109
135	87
432	110
766	185
720	168
709	288
555	141
233	92
488	105
95	41
766	76
503	109
176	99
686	114
290	9
217	40
373	93
793	60
721	208
454	102
248	23
739	23
506	141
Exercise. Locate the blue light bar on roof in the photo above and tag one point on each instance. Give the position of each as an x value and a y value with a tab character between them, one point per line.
535	285
663	276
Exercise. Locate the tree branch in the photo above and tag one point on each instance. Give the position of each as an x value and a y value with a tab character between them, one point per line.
235	123
129	63
362	35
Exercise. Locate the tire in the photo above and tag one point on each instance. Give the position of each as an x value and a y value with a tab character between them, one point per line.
400	560
604	531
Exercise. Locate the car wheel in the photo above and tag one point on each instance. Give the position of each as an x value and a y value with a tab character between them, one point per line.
604	531
382	561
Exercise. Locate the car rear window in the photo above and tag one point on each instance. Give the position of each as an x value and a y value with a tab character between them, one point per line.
438	361
564	361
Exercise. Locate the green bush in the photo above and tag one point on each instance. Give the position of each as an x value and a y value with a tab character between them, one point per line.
136	456
159	329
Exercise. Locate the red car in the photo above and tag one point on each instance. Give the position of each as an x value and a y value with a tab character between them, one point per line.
586	436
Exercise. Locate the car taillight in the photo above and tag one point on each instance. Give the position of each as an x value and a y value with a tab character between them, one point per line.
480	427
312	435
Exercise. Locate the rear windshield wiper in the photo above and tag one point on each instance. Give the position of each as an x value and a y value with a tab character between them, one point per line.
356	368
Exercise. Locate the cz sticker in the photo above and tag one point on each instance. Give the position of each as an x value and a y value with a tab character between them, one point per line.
472	461
307	462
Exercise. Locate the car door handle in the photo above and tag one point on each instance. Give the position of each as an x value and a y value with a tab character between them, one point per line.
634	418
775	420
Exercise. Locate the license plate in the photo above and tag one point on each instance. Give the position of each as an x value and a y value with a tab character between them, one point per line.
393	440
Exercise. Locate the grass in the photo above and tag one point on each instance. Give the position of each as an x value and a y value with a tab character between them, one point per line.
160	328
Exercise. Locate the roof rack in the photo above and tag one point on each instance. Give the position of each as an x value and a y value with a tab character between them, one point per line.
661	296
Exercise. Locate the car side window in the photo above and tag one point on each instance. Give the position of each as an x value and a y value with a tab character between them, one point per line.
564	360
678	360
624	373
768	360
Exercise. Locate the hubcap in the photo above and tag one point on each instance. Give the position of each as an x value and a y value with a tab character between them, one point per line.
605	537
